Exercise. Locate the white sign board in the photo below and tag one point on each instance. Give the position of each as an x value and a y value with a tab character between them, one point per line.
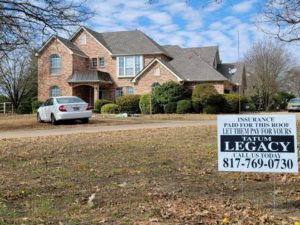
257	143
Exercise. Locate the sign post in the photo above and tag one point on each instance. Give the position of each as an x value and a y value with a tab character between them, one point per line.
257	143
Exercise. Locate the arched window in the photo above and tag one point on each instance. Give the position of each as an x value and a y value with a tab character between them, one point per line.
54	91
54	64
155	85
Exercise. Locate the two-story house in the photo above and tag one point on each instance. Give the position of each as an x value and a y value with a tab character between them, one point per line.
94	65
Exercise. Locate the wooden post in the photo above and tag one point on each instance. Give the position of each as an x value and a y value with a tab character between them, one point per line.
4	107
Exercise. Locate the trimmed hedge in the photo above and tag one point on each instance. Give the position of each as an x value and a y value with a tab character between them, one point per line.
110	108
196	106
214	104
211	109
234	101
144	105
184	106
200	95
202	92
129	104
168	92
170	107
99	103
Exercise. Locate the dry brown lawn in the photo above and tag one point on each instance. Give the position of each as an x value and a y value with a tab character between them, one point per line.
24	122
151	176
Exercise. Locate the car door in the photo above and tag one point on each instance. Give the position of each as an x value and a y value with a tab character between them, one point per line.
48	109
42	110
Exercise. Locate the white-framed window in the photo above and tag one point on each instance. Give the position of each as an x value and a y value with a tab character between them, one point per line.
94	62
54	91
54	64
118	92
157	72
101	62
129	66
129	90
82	39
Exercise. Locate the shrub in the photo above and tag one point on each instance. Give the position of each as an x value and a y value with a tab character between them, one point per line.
280	100
214	104
168	92
211	109
184	106
110	108
170	107
196	106
35	104
202	92
144	105
99	103
129	103
24	108
249	107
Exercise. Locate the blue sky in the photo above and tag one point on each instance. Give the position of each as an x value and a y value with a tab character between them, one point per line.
188	23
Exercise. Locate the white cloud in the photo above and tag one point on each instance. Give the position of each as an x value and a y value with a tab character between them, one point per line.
244	6
160	18
177	22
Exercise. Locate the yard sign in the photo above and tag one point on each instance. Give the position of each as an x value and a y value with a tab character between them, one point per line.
257	143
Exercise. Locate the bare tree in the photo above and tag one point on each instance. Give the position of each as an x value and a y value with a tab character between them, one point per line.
283	16
293	81
18	76
267	63
23	22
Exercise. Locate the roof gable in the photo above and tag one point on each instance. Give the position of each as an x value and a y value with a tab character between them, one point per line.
162	62
73	49
133	42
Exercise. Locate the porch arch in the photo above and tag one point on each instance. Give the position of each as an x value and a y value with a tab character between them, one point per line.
85	92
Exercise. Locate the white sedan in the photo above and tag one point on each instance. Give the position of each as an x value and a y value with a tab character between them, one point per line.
64	108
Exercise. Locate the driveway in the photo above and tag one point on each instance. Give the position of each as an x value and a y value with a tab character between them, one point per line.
95	129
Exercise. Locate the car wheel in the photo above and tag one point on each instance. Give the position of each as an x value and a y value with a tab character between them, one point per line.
85	120
38	118
53	120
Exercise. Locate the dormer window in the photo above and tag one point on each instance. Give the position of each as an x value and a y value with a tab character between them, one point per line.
82	39
54	64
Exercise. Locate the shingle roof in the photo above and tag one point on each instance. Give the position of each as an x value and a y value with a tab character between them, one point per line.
71	46
208	54
89	76
190	66
128	42
233	71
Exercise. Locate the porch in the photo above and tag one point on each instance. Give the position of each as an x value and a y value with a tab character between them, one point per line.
91	85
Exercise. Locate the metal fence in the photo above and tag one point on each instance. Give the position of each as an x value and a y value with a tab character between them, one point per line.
6	107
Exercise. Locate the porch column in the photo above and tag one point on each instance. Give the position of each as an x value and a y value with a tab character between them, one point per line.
96	92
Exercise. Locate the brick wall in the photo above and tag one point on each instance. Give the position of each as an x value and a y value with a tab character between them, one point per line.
45	79
144	83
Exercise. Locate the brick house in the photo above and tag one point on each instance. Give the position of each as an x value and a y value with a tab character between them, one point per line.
94	65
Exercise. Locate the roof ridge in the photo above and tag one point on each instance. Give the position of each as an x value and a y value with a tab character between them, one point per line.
155	43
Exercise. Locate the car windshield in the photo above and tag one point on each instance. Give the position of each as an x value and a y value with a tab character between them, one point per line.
69	100
295	100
